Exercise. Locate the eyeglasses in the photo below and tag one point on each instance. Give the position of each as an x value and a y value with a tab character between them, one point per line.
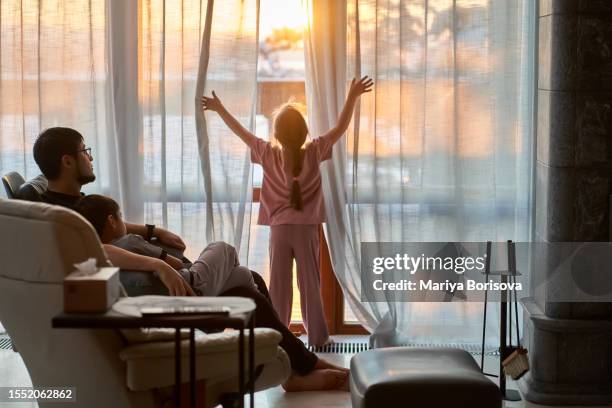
87	151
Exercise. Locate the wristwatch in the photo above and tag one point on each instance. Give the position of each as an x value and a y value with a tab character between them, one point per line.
163	255
150	230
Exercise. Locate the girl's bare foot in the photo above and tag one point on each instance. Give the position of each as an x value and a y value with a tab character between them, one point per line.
318	380
326	364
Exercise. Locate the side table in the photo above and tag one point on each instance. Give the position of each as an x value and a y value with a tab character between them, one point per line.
239	321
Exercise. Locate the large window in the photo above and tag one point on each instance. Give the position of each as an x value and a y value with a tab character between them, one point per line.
52	72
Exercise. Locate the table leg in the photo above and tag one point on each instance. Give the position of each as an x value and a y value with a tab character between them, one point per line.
192	368
241	367
177	367
252	360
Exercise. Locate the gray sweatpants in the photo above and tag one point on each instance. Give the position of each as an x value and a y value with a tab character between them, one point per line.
216	270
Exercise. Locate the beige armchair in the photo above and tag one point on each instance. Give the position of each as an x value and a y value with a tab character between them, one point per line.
39	244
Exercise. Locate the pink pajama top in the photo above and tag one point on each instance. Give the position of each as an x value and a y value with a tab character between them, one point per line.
275	207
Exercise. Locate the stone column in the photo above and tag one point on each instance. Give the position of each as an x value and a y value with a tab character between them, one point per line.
570	344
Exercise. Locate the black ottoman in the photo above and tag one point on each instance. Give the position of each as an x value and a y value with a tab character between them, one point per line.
413	377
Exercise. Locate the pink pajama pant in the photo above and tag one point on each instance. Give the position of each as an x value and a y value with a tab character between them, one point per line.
299	242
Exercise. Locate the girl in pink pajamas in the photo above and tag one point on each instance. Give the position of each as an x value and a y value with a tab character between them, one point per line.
291	202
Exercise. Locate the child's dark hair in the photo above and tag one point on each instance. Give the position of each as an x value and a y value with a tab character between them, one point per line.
290	130
51	145
96	209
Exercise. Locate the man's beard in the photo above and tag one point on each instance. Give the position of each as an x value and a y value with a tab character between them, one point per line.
85	178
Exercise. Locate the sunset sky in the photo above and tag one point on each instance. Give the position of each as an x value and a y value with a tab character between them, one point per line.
278	14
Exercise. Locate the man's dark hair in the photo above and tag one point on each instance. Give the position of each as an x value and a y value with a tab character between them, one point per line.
51	145
96	209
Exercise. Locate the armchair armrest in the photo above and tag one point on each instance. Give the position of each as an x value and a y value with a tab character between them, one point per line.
150	334
150	365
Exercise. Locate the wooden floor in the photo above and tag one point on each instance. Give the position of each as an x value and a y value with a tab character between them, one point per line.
13	373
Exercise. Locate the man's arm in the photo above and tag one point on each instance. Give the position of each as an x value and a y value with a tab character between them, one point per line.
174	262
170	278
137	229
164	236
136	244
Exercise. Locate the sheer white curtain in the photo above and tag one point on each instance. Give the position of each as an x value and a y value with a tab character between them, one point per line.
197	175
124	73
124	113
228	65
53	72
440	151
72	63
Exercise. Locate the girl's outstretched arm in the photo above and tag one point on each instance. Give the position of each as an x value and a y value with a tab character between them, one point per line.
357	88
214	104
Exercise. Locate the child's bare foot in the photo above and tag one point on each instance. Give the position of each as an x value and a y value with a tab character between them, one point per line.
317	380
326	364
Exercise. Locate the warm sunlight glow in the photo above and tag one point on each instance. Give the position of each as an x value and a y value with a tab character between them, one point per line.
281	40
278	14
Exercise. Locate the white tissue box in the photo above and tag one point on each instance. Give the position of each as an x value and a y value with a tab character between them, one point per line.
93	293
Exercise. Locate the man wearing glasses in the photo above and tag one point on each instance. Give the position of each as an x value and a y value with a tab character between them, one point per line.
66	163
